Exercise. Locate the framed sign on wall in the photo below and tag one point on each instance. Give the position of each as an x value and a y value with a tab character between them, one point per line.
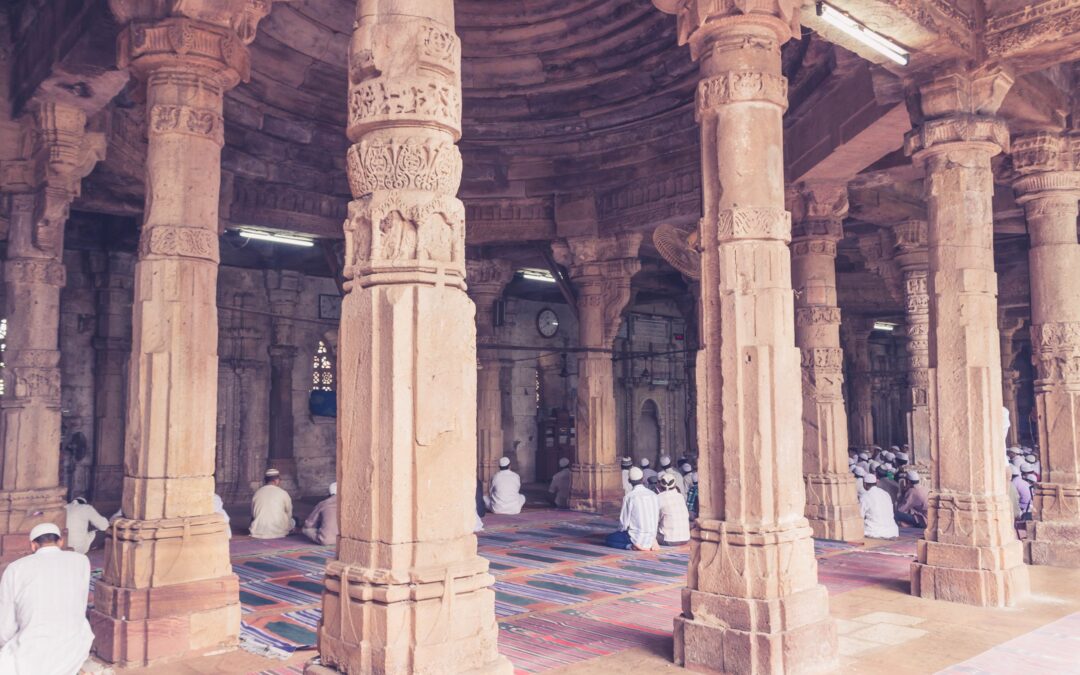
329	306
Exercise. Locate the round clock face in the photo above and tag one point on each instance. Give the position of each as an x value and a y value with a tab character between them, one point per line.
547	323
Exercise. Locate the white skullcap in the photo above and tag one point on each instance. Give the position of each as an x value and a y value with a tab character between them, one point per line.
1014	470
1013	449
870	478
902	456
894	448
859	471
271	473
889	456
874	465
627	462
864	465
665	461
1031	459
686	468
333	488
1025	448
504	462
636	473
564	462
644	462
875	447
1026	468
44	528
913	476
851	461
888	467
864	455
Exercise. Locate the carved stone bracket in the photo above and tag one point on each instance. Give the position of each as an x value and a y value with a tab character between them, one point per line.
184	44
753	223
602	269
699	19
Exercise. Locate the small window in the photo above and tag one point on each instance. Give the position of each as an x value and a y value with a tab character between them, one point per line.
322	370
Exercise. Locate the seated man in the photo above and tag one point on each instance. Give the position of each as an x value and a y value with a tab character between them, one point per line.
860	473
674	526
639	518
1023	488
271	509
560	485
627	464
83	522
648	472
321	526
886	483
668	469
912	509
43	626
877	511
506	498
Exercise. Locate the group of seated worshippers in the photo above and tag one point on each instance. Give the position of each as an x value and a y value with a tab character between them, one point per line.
272	513
685	477
1024	472
890	491
651	518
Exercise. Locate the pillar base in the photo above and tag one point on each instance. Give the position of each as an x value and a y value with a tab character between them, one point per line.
20	511
595	487
832	507
985	576
145	627
423	621
1053	543
721	634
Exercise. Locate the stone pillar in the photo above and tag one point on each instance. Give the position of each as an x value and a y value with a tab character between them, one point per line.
487	280
1007	327
753	603
969	552
856	333
57	154
168	590
832	506
1049	186
112	349
911	257
283	290
601	269
406	592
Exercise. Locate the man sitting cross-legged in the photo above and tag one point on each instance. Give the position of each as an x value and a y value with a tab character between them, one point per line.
639	518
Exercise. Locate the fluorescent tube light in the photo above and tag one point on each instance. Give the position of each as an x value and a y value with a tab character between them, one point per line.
537	275
884	325
875	41
289	239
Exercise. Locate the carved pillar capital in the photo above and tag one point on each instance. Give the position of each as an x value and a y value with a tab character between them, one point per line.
957	110
703	23
601	269
817	210
487	278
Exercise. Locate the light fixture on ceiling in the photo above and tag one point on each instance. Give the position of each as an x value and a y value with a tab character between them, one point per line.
536	275
275	237
884	326
875	41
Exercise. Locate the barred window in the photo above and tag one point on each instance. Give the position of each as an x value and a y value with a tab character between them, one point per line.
322	370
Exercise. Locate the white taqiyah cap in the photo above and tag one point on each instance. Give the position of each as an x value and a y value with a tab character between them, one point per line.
851	461
1012	450
874	465
875	447
894	448
870	478
665	461
504	462
686	468
864	465
333	488
888	467
1026	468
859	471
902	456
644	462
564	462
44	528
864	455
913	476
636	473
272	473
1031	459
1015	470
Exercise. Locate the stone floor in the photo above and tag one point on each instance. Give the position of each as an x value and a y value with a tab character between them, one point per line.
568	605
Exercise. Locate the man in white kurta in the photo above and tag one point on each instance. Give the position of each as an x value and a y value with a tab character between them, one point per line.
271	509
83	522
639	518
560	485
876	506
506	498
43	626
668	469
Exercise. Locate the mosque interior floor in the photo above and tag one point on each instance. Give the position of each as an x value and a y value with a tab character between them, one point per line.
567	604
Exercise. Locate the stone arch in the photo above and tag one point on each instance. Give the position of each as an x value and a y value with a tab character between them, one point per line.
647	440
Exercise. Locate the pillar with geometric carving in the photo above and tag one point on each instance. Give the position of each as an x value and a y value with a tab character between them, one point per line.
283	291
112	349
969	551
406	591
1048	187
753	603
487	278
1008	326
601	269
832	506
167	568
912	258
855	333
57	154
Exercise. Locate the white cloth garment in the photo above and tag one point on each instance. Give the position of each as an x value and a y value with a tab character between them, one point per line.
640	516
271	510
679	482
560	487
79	519
674	518
876	507
43	626
626	486
219	507
506	497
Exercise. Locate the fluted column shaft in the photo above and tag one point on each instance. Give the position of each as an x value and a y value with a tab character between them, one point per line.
856	334
752	603
601	269
406	591
1049	188
912	259
832	506
487	280
969	552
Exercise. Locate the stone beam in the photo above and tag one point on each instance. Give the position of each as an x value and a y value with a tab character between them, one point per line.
1033	35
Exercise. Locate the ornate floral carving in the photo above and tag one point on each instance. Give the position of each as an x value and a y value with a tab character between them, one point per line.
1012	34
440	48
740	86
146	45
186	120
411	164
805	247
822	358
389	228
957	129
429	101
172	241
35	271
753	223
817	315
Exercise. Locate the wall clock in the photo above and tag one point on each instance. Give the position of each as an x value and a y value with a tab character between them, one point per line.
547	322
